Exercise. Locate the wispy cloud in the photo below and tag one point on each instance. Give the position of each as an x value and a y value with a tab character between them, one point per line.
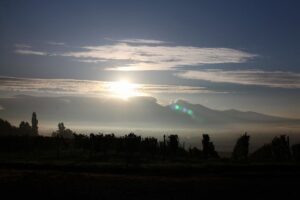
86	87
56	43
140	41
90	60
22	46
30	52
279	79
142	55
146	57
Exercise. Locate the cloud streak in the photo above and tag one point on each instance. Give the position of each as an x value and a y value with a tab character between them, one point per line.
140	41
146	57
276	79
143	55
22	46
86	87
30	52
56	43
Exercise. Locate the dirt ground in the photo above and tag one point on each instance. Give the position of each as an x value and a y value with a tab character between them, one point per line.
57	184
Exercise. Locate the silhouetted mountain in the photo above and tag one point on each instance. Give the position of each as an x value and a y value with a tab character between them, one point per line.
204	115
136	112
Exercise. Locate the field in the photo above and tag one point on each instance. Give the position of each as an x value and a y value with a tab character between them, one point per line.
156	181
131	167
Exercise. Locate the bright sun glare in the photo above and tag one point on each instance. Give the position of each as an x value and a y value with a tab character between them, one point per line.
123	89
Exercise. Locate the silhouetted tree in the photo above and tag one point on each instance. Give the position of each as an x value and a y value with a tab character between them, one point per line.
195	152
208	147
81	141
7	129
296	152
68	133
34	124
278	150
241	148
25	128
263	153
108	142
92	145
173	143
63	132
132	142
205	145
149	145
164	147
281	148
61	128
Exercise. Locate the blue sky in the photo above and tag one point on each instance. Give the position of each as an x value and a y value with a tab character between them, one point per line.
222	54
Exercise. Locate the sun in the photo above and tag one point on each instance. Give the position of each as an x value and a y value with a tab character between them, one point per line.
123	89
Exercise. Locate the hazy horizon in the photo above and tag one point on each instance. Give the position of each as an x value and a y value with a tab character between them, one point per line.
116	64
158	99
146	117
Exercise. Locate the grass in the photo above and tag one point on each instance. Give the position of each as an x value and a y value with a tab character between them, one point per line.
42	175
152	181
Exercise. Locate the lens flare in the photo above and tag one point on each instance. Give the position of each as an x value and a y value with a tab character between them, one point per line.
182	109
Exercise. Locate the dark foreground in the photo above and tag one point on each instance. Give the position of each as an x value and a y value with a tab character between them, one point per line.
66	181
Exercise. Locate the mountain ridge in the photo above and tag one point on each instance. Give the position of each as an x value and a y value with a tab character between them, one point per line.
138	111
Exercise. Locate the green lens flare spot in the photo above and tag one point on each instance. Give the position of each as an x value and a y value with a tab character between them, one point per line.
190	112
177	107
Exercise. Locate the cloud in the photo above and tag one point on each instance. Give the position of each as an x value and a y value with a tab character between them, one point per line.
30	52
143	55
22	46
146	57
87	87
90	60
175	89
140	41
278	79
56	43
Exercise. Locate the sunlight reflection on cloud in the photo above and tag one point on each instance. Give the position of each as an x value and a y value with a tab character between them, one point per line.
91	88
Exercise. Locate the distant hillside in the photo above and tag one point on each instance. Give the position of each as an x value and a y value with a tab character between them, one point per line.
205	115
136	112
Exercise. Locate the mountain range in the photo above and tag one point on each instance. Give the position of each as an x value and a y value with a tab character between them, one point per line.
141	112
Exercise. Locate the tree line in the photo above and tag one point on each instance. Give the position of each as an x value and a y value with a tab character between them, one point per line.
6	129
64	141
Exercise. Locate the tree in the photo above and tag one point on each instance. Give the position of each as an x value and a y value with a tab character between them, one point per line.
149	145
277	150
132	142
63	132
205	145
241	148
173	143
25	128
263	153
195	152
208	147
61	128
6	128
281	148
34	124
296	152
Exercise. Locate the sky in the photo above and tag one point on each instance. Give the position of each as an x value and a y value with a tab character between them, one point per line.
221	54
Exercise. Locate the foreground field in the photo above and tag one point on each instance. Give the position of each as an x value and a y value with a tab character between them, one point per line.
170	181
